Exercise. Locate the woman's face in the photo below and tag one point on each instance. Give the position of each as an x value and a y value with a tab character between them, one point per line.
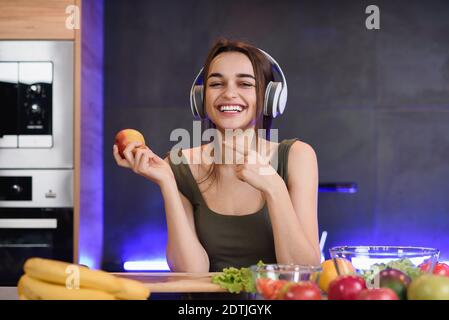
231	91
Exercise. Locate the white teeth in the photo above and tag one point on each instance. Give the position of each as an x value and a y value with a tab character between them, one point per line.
231	108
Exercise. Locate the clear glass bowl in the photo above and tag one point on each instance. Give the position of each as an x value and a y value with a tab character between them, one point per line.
368	261
287	272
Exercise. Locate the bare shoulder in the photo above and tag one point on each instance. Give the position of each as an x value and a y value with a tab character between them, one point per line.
302	159
302	150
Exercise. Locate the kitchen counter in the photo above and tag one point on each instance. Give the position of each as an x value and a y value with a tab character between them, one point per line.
183	286
167	286
8	293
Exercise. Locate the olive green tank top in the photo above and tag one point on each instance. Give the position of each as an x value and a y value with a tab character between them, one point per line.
229	240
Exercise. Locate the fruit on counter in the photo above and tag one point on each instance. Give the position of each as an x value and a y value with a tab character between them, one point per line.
125	136
34	289
396	280
280	289
131	290
52	279
377	294
329	272
441	268
58	271
272	289
425	266
405	265
303	290
346	287
429	287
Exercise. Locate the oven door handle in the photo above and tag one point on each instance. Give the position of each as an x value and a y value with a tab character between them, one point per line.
28	223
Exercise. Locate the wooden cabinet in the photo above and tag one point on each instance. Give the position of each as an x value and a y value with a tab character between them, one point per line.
36	19
51	20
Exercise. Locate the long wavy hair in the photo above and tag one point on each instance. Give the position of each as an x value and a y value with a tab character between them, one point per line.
263	73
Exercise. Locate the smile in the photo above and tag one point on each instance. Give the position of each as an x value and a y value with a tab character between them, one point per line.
231	108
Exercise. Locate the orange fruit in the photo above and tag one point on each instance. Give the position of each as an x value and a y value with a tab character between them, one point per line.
329	272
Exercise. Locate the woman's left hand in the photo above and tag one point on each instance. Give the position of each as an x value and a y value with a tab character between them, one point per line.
255	170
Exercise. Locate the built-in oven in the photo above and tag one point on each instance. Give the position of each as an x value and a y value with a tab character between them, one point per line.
36	219
33	232
36	154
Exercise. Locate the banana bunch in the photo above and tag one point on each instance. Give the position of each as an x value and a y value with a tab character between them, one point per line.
46	279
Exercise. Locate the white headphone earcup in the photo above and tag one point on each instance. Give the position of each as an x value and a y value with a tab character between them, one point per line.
197	96
272	94
267	103
282	100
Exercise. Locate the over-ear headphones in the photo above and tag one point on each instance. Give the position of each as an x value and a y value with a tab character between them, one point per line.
275	98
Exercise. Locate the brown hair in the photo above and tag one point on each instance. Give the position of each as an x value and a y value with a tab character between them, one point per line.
263	74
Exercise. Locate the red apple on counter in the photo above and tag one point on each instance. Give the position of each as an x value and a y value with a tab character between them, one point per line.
377	294
346	287
303	290
441	269
126	136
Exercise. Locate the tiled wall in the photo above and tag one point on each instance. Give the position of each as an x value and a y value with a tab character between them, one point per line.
373	104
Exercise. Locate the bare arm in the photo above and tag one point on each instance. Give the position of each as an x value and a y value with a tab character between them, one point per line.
293	210
184	251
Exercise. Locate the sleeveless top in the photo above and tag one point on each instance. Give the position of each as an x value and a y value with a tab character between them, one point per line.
229	240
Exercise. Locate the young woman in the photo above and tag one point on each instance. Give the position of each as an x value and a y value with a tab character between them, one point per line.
222	214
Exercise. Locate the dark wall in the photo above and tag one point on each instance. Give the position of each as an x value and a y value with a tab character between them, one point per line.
373	103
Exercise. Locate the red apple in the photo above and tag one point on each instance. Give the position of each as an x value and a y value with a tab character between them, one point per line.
377	294
125	136
441	269
346	287
303	290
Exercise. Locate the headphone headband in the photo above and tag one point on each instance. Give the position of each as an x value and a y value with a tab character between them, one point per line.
275	98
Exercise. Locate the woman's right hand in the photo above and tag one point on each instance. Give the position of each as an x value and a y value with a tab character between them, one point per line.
144	162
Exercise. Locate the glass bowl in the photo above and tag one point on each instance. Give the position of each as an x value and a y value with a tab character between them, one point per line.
281	274
369	261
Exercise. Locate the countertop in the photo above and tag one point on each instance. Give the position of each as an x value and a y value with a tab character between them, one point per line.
166	286
8	293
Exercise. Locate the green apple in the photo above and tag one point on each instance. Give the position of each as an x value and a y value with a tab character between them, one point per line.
429	287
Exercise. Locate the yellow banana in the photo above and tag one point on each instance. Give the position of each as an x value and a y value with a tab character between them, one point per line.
35	289
132	290
72	275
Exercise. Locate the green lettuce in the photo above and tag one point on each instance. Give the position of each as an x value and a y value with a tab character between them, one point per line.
236	280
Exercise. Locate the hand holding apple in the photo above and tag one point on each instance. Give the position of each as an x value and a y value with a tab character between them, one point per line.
125	137
137	156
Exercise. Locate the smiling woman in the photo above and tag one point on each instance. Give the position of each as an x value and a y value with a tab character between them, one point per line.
234	214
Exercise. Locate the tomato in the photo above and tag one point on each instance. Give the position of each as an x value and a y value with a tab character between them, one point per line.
329	272
425	266
261	285
377	294
429	287
396	280
303	290
441	269
270	289
346	287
